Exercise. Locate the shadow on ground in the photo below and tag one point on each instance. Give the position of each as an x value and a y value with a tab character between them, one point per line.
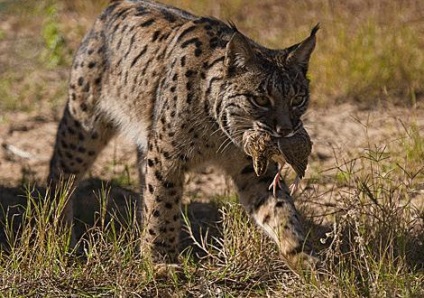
205	218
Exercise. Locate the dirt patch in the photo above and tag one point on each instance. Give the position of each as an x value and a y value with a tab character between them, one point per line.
339	134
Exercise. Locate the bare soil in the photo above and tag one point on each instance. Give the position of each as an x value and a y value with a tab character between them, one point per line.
339	134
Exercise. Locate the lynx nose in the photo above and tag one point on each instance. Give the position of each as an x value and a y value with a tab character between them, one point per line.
283	131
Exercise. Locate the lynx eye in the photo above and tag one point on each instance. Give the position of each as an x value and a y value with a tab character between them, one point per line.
297	101
262	101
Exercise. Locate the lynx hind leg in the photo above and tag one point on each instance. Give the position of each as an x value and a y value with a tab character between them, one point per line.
76	147
75	150
82	132
141	163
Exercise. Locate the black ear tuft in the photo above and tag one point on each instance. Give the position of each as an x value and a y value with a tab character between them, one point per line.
315	30
232	25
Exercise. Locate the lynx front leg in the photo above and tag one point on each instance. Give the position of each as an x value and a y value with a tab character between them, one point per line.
162	197
277	215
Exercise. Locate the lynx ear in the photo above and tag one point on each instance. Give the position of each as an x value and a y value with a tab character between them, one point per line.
239	52
299	54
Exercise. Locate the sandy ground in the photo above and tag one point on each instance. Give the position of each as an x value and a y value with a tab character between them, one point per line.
339	134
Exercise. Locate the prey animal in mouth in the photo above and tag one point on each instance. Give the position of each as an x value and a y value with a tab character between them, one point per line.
293	150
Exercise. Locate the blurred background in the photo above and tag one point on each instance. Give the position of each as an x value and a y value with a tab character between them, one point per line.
368	52
364	187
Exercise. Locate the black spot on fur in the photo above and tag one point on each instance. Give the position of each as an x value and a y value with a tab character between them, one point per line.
155	35
168	184
71	131
168	16
150	163
143	51
63	144
214	42
189	73
147	23
197	52
140	11
279	204
83	107
194	41
158	176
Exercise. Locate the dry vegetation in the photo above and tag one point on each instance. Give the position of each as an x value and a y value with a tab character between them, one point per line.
363	202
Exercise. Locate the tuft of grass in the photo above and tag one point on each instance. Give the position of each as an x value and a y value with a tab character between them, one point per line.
372	248
413	144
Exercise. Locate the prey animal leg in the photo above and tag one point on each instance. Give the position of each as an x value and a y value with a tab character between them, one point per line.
295	185
276	182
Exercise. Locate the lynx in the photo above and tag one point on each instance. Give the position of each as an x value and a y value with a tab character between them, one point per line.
185	89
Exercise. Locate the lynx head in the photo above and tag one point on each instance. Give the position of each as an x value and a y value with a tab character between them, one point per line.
265	90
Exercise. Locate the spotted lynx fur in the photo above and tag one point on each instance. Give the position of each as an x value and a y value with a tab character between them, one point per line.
185	89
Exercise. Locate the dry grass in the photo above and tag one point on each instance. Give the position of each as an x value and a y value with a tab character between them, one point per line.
369	227
368	51
372	248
